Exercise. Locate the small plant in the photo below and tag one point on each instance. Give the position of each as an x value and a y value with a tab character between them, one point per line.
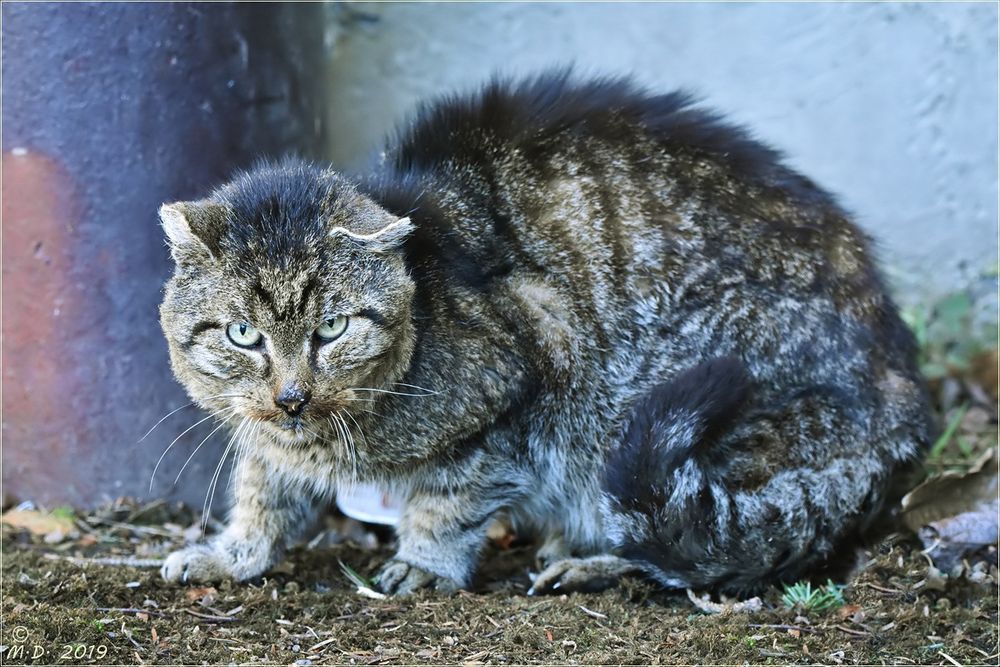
364	586
948	335
64	512
353	576
948	434
803	596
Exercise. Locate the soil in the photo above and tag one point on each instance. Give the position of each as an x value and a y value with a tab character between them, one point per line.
62	604
85	589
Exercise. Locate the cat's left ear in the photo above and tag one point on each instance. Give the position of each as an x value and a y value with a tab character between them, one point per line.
388	238
193	229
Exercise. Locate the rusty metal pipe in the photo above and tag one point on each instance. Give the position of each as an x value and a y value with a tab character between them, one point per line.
109	110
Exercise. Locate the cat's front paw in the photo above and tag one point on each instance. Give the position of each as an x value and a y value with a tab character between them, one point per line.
400	578
218	560
199	563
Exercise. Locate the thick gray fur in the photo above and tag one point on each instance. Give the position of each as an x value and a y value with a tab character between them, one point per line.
607	314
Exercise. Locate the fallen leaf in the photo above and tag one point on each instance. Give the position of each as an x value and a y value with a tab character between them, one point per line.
956	513
984	371
950	493
848	610
38	523
204	595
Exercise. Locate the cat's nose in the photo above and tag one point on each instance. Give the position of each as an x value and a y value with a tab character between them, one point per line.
292	399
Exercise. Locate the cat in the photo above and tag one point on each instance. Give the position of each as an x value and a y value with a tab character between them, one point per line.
606	314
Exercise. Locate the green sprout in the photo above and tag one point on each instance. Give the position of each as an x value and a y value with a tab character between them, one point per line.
353	576
803	596
948	433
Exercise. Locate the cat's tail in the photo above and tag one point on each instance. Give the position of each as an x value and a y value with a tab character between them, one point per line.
679	501
649	476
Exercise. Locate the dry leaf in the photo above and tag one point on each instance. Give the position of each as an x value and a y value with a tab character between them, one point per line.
849	610
951	493
956	513
204	595
984	371
38	523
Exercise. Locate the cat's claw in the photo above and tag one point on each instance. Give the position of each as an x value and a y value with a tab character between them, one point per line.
585	575
199	563
400	578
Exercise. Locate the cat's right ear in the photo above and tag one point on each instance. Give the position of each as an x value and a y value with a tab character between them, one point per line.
193	230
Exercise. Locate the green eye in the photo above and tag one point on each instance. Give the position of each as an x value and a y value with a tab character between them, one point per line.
243	334
333	328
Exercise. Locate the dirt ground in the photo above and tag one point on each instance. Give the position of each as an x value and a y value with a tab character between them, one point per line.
84	588
75	602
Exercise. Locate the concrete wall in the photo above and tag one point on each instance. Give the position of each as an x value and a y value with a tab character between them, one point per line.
891	106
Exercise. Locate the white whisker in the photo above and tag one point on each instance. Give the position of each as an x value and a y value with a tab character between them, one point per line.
352	448
394	393
174	441
236	460
175	411
206	507
364	440
430	392
221	424
345	443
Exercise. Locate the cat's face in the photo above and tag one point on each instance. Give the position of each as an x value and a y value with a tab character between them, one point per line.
290	301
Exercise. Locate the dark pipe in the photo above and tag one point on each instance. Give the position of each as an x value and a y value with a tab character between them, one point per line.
109	110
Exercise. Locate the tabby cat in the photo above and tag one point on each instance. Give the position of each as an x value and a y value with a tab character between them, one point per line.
606	314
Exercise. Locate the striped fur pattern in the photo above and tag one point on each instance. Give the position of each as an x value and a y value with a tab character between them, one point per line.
607	314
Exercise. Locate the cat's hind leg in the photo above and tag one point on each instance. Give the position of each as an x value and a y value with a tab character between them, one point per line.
586	575
715	488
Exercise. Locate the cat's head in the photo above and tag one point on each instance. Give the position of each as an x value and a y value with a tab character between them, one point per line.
290	299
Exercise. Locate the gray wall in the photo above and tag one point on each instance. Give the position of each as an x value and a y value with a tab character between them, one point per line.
891	106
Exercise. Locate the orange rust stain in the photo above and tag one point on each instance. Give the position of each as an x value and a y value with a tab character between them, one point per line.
39	209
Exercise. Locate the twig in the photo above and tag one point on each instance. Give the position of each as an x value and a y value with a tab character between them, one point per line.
210	617
852	632
321	644
128	636
883	588
780	626
949	658
591	612
119	561
131	610
139	511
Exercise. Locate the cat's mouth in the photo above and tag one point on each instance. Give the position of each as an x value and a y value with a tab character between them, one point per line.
291	430
290	424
